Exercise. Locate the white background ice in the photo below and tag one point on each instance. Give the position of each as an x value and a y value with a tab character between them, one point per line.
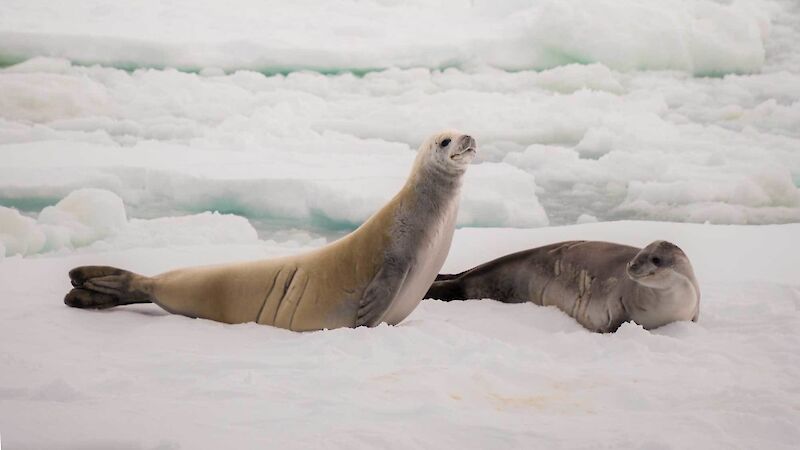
601	139
159	134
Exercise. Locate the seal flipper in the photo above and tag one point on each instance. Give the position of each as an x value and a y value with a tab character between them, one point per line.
86	299
447	288
101	287
448	276
379	294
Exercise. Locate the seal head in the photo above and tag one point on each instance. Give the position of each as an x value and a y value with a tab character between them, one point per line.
658	265
670	290
448	153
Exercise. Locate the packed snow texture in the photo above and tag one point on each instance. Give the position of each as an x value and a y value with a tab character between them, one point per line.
697	36
474	374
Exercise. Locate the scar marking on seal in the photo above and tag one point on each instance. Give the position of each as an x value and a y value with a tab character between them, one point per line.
286	286
584	282
572	245
266	297
584	292
297	304
544	291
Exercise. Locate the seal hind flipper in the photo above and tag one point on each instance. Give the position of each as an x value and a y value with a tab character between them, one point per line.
447	276
103	287
79	275
447	289
86	299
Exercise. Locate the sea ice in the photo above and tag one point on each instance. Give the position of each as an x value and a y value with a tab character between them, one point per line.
313	149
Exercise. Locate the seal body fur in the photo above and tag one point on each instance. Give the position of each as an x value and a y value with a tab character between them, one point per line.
600	284
378	273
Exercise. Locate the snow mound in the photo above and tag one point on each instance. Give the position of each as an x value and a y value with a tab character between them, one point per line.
498	193
82	217
19	235
96	219
698	36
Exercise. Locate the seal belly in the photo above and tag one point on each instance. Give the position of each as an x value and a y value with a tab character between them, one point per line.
337	276
428	262
231	293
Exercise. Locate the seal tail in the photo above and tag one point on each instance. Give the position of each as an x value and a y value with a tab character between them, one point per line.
447	288
101	287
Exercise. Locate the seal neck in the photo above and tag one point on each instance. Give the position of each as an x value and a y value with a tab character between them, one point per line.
427	202
435	183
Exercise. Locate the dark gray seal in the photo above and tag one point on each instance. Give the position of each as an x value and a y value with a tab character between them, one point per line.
600	284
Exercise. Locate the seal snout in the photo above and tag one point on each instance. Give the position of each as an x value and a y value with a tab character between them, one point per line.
634	269
466	145
466	142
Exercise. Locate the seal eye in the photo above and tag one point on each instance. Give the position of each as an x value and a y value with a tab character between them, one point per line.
656	261
445	143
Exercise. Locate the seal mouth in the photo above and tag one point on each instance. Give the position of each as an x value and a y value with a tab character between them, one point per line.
639	276
635	273
460	155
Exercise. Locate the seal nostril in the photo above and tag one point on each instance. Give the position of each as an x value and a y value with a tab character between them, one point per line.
466	141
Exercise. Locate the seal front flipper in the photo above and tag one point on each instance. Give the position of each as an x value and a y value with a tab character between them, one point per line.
379	294
103	287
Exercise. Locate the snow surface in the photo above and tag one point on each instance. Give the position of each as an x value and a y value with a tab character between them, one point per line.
474	374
